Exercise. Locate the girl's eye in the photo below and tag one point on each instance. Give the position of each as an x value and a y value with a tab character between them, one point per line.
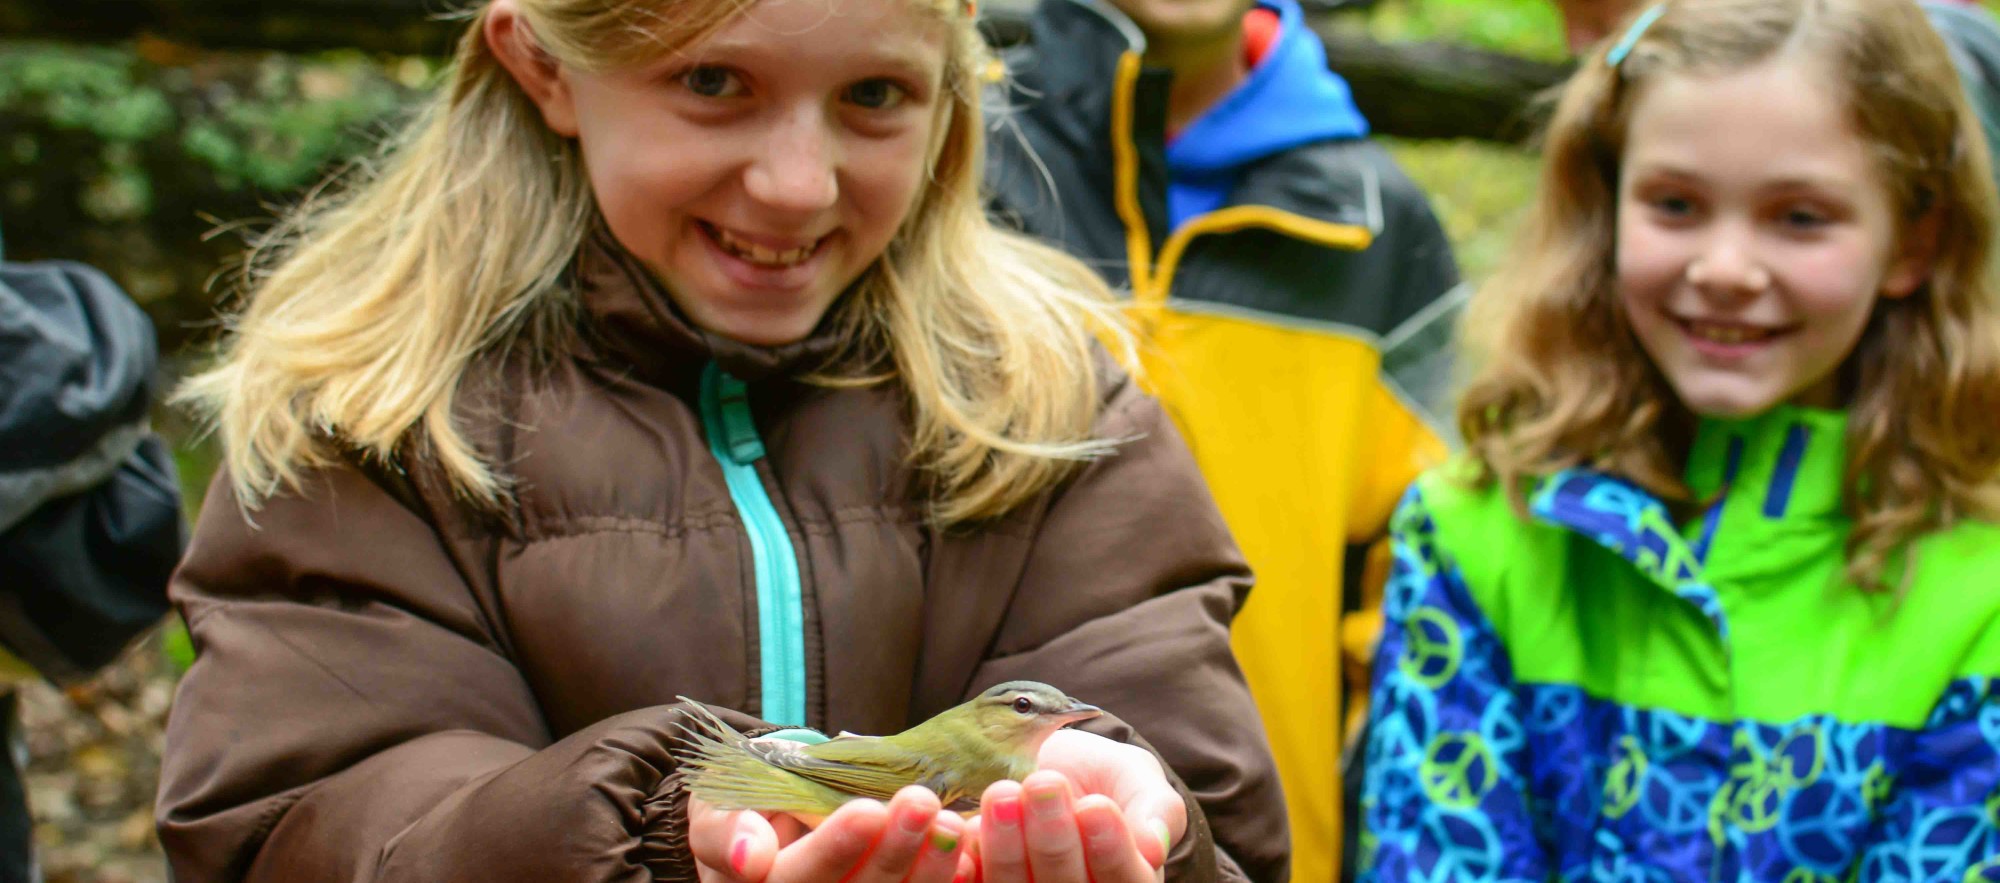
1805	218
1674	206
877	94
712	82
1023	704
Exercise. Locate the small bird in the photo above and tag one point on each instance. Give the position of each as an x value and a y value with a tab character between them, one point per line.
956	754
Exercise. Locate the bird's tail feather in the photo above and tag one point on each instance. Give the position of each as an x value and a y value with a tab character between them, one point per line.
719	768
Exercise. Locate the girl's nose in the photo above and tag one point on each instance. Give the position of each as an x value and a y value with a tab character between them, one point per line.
795	169
1728	269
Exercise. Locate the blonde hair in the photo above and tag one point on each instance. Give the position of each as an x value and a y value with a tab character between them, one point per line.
370	303
1562	381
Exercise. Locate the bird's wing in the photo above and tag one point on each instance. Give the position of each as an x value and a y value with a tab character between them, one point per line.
863	765
730	771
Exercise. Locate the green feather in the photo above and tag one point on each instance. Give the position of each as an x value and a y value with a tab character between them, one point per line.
722	769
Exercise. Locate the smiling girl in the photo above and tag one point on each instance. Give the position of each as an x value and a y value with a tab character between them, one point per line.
1715	592
670	353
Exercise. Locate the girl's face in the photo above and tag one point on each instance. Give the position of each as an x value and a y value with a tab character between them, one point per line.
760	171
1754	236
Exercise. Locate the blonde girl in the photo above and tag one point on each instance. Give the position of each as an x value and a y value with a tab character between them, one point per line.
668	354
1715	591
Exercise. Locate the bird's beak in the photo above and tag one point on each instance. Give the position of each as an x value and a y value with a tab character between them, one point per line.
1077	711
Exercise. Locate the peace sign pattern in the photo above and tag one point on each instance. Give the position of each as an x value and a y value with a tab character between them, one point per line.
1445	796
1623	518
1473	776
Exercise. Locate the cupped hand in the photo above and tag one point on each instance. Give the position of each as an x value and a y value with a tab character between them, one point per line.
909	840
1097	810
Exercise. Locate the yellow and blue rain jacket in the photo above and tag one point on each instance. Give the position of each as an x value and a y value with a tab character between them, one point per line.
1604	692
1296	296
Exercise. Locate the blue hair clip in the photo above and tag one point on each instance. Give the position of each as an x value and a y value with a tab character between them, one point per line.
1633	33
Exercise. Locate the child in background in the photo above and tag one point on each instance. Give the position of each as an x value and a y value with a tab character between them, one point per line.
1715	592
672	354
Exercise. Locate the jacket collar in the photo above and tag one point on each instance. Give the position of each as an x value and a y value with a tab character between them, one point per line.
1784	466
1069	79
1787	463
1080	43
633	317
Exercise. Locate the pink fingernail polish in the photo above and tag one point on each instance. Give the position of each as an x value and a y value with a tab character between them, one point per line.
1006	812
739	855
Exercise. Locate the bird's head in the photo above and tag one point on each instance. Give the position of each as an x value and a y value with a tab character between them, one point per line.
1024	713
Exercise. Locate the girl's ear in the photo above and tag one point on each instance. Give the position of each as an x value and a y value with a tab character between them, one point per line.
538	72
1915	256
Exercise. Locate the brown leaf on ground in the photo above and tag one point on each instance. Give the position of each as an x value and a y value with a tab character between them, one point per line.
93	764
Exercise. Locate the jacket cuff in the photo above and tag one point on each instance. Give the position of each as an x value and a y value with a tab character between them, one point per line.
663	837
663	845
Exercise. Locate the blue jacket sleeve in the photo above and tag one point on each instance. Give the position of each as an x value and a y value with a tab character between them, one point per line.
1936	821
1445	794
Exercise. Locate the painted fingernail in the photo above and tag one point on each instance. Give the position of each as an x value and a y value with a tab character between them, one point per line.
739	855
944	841
914	820
1159	829
1046	802
1006	813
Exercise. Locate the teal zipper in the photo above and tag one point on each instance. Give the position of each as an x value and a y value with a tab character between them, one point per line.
732	438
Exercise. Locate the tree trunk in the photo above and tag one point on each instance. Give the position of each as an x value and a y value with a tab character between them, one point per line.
1439	90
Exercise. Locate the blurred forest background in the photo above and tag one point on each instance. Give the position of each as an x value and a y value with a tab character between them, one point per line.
147	137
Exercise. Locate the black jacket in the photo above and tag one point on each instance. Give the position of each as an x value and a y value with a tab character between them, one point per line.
90	519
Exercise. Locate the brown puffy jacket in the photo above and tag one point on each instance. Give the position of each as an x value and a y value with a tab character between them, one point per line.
391	688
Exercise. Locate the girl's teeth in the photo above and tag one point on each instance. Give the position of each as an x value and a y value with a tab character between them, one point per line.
758	254
1727	334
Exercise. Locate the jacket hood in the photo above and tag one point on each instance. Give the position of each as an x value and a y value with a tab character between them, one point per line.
1289	99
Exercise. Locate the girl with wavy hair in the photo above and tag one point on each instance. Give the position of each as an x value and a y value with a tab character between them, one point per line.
1714	592
669	353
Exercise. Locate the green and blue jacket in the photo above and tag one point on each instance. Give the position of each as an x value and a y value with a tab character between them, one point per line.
1604	692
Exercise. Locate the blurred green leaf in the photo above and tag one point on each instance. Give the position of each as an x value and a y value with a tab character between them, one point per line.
1528	28
177	645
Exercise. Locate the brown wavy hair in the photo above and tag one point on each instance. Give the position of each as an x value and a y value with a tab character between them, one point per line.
1563	382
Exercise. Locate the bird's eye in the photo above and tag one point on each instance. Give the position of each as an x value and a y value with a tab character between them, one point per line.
1023	704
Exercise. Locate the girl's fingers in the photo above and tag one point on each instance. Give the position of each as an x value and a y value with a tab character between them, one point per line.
968	855
1157	822
1109	847
730	846
1003	853
834	849
913	812
1055	850
939	858
789	829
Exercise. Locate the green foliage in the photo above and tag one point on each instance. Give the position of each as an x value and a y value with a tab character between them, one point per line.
1479	190
295	121
91	90
1529	28
195	460
85	88
176	645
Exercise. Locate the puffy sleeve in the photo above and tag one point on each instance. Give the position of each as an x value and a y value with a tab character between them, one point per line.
351	715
